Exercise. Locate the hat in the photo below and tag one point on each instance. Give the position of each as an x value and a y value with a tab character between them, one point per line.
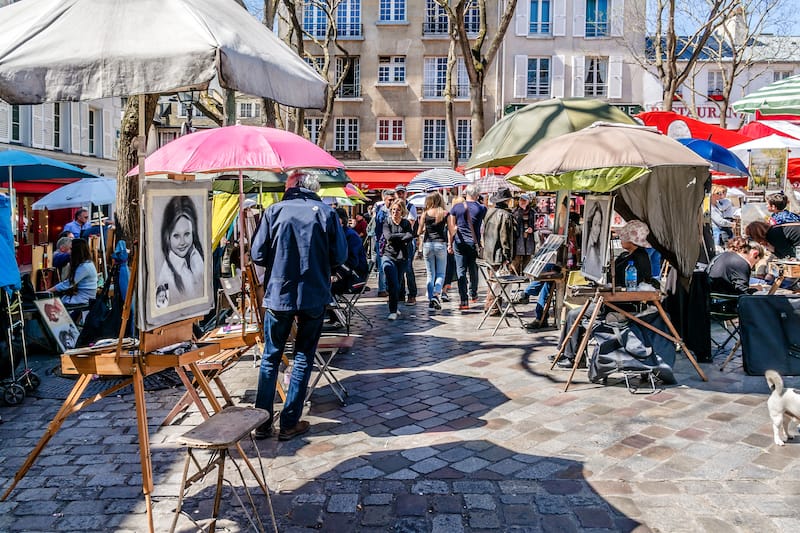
503	194
400	188
525	196
636	232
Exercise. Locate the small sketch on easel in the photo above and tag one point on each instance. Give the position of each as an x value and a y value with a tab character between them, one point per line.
544	255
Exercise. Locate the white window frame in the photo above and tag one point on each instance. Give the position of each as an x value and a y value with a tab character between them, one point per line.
464	138
538	27
472	19
434	139
15	121
312	126
542	86
778	75
596	66
249	110
346	134
166	137
715	82
390	131
355	68
391	11
392	69
315	21
434	77
600	25
348	19
462	88
91	132
436	21
58	126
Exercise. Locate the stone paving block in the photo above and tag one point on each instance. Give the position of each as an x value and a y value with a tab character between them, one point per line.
342	503
447	523
483	502
378	499
484	520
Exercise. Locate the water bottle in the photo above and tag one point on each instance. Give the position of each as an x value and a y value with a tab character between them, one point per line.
631	280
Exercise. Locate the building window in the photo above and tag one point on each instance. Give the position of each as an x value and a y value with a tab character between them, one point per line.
596	77
315	21
538	77
472	18
92	130
392	11
716	84
391	131
779	75
392	69
462	79
434	138
346	135
348	18
249	110
313	126
436	22
348	70
596	18
539	22
434	77
464	138
57	125
16	124
165	137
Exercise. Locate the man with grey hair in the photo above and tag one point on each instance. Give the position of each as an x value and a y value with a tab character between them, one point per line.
299	241
61	256
464	224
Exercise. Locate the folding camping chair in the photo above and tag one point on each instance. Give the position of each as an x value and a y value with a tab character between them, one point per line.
499	287
346	303
327	348
724	313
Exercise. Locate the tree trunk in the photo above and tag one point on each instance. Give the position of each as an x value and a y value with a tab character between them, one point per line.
448	105
476	103
128	187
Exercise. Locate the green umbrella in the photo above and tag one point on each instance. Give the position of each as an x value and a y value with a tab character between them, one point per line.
513	136
779	98
267	181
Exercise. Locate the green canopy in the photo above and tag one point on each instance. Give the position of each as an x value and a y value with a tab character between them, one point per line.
596	179
779	98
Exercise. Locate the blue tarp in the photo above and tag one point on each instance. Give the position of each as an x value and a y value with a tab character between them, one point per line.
9	272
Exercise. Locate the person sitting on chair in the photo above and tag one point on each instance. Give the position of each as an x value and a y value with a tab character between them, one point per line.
62	256
633	238
729	272
81	285
776	204
353	271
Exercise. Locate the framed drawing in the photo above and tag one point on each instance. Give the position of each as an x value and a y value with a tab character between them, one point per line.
58	322
175	280
595	231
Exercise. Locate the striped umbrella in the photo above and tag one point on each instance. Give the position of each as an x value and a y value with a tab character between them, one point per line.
490	184
437	178
779	98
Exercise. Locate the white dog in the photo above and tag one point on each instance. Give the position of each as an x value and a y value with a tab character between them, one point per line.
783	404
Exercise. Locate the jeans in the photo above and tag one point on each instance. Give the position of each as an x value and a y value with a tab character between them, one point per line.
392	270
435	254
277	326
542	288
466	255
378	262
409	281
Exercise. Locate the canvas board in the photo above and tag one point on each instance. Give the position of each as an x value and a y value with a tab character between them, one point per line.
545	254
58	322
176	281
595	234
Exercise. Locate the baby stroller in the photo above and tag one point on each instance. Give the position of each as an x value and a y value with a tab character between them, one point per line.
14	383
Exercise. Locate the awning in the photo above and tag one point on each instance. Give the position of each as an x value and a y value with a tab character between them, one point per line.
697	129
37	187
367	180
762	128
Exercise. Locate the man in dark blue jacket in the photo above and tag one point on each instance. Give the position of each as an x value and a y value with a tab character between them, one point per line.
299	241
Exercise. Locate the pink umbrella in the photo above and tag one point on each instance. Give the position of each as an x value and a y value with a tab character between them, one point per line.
235	148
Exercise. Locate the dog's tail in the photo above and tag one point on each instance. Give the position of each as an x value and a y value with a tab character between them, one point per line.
774	381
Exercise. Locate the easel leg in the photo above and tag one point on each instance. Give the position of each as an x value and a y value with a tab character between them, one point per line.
202	382
730	355
570	333
674	333
52	429
584	342
144	444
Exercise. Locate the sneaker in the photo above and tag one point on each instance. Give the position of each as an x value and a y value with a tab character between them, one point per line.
411	301
299	429
436	303
393	316
382	294
473	300
565	363
264	431
463	306
445	297
524	299
430	304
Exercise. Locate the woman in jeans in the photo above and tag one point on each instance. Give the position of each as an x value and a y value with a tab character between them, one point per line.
433	229
397	233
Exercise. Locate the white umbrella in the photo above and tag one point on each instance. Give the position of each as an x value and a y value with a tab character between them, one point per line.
67	50
770	142
97	191
437	178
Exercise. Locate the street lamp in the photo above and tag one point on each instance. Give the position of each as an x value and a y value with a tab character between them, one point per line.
186	100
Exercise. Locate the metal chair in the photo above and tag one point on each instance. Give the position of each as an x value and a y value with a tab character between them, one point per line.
723	311
346	303
503	289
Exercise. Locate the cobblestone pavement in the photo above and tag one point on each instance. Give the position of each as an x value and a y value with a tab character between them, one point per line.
445	429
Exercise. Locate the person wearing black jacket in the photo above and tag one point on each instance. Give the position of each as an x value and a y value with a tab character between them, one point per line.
524	233
397	233
729	272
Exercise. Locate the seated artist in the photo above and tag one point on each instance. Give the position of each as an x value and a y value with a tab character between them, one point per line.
782	240
730	271
633	238
353	271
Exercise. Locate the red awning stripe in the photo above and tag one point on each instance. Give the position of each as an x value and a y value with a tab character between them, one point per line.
380	179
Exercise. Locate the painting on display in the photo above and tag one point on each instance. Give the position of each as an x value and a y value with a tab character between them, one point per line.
58	322
176	281
767	169
595	233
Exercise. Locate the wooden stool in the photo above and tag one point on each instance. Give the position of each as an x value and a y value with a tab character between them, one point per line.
222	431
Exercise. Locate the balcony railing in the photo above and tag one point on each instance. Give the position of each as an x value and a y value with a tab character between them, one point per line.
595	89
596	29
435	28
349	90
350	29
716	95
346	154
436	90
461	90
538	90
539	28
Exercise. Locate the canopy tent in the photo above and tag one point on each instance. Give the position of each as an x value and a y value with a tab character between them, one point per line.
9	272
657	180
770	142
779	98
96	191
764	128
677	126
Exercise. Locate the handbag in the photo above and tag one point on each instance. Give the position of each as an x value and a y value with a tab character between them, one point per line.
478	245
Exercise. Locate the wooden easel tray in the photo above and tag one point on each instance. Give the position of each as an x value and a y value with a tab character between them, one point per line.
234	339
107	363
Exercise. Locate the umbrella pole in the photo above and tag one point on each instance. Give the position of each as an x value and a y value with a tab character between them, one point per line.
242	265
12	198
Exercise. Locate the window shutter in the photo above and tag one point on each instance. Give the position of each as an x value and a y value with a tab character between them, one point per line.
5	121
520	76
557	77
578	67
579	18
615	77
47	125
85	129
256	110
559	18
617	17
522	21
108	137
75	122
698	82
37	123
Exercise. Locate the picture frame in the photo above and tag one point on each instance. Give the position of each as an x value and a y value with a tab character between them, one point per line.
595	237
57	321
767	169
175	274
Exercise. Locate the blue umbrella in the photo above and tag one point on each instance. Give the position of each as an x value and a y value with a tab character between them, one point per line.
9	273
721	159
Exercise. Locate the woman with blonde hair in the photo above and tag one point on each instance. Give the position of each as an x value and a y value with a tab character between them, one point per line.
722	215
433	230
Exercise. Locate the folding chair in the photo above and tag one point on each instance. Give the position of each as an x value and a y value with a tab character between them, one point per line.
345	307
499	287
724	313
327	348
231	287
